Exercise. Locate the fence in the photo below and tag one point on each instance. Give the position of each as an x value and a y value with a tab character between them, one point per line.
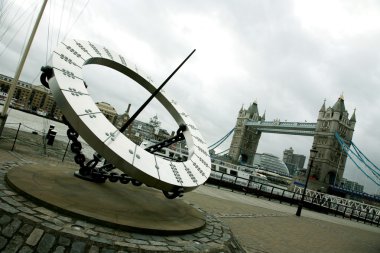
314	200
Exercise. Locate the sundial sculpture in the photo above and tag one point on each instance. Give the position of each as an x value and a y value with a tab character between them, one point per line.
65	80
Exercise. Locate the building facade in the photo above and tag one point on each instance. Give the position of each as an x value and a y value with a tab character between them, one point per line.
293	161
351	185
270	163
32	98
108	111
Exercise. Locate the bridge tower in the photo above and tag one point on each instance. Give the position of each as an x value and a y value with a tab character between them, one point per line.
245	139
329	163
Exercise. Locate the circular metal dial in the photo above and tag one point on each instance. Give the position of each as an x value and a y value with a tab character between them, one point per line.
76	104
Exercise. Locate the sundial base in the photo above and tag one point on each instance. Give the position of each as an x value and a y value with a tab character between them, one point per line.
137	209
89	178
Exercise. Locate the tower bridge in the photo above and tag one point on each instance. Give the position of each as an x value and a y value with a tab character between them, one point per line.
329	163
278	127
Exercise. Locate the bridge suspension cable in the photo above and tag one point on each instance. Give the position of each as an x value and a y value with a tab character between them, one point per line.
219	142
356	153
224	151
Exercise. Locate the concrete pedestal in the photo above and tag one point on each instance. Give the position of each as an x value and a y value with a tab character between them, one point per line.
136	209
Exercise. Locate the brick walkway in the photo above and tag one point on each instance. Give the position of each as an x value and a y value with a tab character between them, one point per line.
265	226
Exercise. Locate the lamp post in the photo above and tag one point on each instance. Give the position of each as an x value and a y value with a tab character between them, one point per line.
313	153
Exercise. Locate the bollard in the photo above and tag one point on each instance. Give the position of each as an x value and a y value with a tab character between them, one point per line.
51	136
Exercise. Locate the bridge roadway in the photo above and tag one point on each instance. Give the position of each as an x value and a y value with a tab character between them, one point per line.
294	128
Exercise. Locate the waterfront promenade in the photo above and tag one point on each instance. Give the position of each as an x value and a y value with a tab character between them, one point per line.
258	225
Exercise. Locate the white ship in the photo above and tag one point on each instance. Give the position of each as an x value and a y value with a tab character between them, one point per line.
220	170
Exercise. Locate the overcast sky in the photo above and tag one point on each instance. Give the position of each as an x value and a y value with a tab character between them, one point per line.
287	55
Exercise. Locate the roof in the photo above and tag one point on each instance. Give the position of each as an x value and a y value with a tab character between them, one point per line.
353	117
339	105
253	108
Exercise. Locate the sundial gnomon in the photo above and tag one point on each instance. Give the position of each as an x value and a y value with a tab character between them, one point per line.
65	80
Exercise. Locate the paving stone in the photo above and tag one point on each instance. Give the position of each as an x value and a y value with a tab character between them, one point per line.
93	249
188	237
74	232
46	243
123	233
65	219
158	238
50	219
189	248
226	237
175	248
141	237
84	224
26	229
5	219
104	230
14	244
3	242
91	232
11	228
34	237
8	208
154	248
64	241
204	239
19	198
30	204
100	239
59	249
78	247
139	242
11	201
158	243
45	211
110	237
26	249
30	217
9	193
126	244
26	210
51	226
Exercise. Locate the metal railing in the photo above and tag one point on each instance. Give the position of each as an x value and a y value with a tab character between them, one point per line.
314	200
18	135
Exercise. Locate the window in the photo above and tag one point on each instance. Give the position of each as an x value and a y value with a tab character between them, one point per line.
233	172
222	169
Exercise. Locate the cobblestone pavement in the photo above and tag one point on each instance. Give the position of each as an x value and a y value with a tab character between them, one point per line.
260	226
27	227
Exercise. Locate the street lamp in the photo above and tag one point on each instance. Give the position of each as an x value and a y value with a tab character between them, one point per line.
313	153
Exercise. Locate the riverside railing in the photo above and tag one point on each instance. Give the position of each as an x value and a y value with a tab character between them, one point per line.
314	200
18	135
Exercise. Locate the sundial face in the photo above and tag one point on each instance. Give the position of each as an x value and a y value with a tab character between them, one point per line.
72	97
